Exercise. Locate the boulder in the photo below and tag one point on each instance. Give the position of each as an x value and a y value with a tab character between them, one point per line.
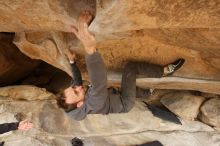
160	32
160	38
202	72
45	46
111	15
32	15
53	127
210	112
177	83
152	31
25	92
184	105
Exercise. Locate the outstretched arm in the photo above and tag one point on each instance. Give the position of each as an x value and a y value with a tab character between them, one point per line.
95	65
82	33
77	81
98	77
77	77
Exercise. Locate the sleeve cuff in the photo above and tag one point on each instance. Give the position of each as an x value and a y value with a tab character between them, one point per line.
17	124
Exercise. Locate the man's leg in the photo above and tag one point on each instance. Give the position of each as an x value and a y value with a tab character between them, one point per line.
128	84
149	70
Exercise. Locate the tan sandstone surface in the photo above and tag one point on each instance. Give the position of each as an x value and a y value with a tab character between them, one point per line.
153	31
53	127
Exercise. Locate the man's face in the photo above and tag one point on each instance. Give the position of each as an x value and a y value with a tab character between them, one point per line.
73	95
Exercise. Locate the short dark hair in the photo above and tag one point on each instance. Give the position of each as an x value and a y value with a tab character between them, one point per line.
62	104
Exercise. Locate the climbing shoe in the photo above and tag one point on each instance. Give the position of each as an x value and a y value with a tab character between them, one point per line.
171	68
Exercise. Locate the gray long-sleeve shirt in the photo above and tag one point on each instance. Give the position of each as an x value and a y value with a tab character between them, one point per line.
96	100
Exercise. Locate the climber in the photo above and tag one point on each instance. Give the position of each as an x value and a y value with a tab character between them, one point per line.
96	99
22	125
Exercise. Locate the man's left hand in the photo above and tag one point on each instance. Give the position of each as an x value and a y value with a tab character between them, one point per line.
25	125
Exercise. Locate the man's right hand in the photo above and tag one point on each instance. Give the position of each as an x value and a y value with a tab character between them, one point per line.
25	125
88	40
70	54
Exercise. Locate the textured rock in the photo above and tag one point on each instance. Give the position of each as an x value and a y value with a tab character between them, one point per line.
151	31
179	35
13	64
201	62
184	105
192	31
139	46
210	112
32	15
18	139
178	83
52	127
25	92
42	46
178	138
120	16
135	35
129	15
204	40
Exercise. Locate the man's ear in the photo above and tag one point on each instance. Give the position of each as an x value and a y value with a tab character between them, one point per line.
79	104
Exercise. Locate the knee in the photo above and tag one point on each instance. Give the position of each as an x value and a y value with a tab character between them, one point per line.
130	65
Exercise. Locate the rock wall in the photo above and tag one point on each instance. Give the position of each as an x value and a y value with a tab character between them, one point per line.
55	15
52	127
153	31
